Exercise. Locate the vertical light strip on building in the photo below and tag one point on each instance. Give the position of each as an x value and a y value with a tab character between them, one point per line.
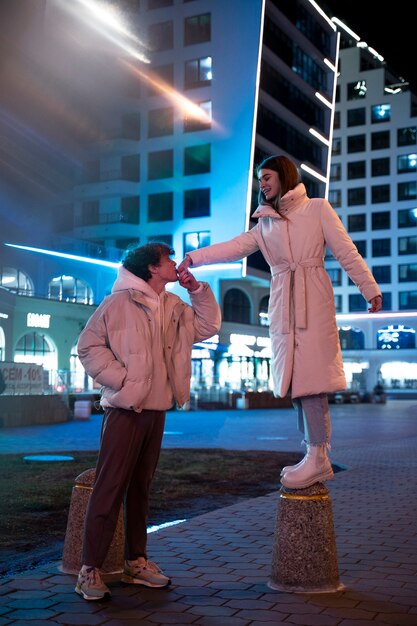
254	121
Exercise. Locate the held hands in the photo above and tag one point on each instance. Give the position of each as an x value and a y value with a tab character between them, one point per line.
186	279
376	304
185	264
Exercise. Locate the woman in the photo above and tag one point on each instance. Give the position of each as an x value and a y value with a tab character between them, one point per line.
292	233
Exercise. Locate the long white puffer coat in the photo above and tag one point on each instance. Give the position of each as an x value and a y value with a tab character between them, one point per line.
306	355
116	347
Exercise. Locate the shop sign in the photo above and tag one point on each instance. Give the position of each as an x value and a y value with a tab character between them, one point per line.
38	320
22	378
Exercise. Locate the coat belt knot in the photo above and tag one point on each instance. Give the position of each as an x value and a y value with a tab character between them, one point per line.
291	277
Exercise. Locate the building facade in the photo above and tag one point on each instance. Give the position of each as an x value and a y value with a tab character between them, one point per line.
211	89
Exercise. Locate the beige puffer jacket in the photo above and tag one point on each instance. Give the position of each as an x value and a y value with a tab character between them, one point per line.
116	348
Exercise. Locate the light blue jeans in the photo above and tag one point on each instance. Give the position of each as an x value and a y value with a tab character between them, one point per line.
314	419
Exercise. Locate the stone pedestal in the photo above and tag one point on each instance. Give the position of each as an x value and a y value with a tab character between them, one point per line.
304	554
71	558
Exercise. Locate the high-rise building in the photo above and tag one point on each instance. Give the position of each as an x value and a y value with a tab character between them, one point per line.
184	99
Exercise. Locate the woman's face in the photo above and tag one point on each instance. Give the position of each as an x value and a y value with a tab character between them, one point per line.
269	183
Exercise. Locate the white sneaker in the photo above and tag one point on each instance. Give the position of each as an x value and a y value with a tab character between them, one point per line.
89	584
143	572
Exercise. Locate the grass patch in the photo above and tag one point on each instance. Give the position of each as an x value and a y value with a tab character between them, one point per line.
36	496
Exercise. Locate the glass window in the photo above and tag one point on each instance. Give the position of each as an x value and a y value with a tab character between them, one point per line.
356	117
335	197
70	289
386	300
160	206
197	159
407	245
164	74
356	169
356	223
336	146
381	247
381	220
198	73
356	196
130	167
161	36
160	164
338	303
407	217
382	273
407	272
158	4
356	143
357	303
199	120
407	136
131	126
351	339
407	300
192	241
380	140
236	307
335	276
361	246
129	210
380	193
336	120
407	191
17	281
161	122
162	238
197	29
356	90
263	311
196	203
380	167
335	171
407	163
380	113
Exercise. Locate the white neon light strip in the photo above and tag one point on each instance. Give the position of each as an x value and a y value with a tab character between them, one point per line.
308	169
368	316
346	28
320	97
330	65
154	529
319	136
322	13
64	255
111	264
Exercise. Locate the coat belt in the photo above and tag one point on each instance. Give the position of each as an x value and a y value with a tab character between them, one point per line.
292	276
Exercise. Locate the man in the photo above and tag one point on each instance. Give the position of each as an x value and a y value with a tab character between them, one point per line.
137	345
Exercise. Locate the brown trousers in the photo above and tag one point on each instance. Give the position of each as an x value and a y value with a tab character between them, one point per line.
129	452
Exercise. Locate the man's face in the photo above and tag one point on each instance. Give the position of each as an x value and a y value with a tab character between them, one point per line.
167	269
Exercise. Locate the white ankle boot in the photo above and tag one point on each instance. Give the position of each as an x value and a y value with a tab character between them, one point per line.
290	468
315	467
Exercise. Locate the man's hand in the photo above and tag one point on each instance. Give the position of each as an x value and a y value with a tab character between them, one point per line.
187	280
376	304
185	264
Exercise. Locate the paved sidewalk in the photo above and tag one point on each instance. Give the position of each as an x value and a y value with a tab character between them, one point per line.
220	562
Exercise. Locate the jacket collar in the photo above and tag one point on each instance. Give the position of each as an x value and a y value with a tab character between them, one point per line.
290	201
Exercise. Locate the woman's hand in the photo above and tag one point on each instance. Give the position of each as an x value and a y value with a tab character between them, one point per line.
185	264
376	304
187	280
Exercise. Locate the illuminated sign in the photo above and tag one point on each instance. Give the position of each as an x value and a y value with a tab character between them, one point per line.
38	320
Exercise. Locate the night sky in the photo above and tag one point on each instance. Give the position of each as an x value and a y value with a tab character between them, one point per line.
390	31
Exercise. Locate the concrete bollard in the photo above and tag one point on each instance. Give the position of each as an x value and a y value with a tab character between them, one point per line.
304	556
72	553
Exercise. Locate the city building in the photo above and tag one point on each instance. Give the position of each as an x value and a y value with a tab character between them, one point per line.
197	93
